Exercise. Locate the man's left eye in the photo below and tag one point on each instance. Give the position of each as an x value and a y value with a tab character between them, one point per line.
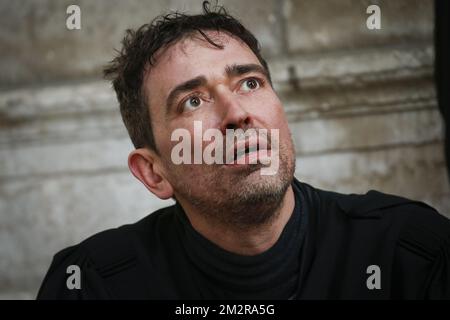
250	85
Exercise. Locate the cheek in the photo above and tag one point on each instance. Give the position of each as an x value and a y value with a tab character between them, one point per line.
274	116
193	126
162	140
270	109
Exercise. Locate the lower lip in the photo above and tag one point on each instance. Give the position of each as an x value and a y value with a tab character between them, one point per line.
249	159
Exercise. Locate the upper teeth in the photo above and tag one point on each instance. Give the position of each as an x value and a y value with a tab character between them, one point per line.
240	152
252	149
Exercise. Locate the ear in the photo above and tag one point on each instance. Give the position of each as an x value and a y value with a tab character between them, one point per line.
145	167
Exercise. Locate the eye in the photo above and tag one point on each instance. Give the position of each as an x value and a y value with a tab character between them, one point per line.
250	85
192	102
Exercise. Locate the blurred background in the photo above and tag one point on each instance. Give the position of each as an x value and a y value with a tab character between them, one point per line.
361	104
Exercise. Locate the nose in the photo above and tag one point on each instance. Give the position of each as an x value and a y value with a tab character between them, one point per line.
234	114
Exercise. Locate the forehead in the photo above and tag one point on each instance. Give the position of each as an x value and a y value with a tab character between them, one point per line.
194	56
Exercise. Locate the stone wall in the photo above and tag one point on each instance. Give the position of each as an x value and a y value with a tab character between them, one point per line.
361	105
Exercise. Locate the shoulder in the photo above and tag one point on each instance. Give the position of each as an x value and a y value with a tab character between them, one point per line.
102	256
406	222
110	239
415	222
400	211
408	238
378	205
112	243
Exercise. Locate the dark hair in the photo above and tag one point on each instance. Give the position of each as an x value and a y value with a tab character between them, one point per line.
126	70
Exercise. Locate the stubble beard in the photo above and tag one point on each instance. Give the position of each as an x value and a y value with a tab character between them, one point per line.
241	200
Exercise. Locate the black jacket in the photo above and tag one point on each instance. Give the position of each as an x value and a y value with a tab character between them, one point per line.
344	235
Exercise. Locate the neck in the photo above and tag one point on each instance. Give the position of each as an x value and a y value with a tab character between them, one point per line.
248	241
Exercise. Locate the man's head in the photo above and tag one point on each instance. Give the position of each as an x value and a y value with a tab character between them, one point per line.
207	69
139	52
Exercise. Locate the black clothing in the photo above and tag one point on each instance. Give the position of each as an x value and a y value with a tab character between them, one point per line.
224	275
323	252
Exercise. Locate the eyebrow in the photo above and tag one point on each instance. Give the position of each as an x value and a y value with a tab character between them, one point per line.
183	87
234	70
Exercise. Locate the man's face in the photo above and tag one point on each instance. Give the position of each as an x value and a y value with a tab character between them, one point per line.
226	88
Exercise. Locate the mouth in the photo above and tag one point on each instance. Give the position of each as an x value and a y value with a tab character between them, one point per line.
247	152
239	153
